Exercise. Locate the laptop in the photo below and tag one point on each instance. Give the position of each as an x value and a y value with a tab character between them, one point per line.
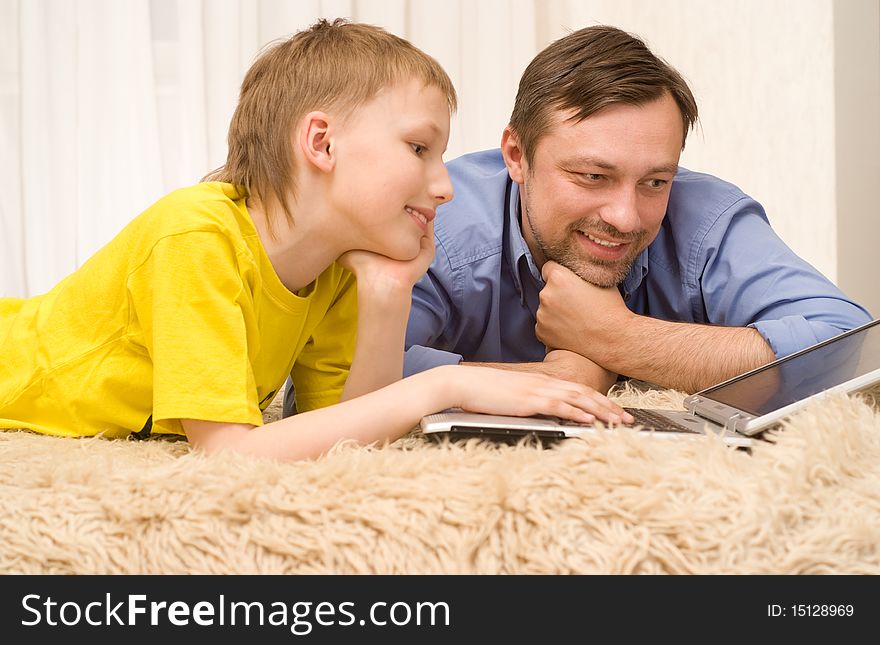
738	410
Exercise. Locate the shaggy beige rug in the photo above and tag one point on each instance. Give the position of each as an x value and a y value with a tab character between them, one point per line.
809	502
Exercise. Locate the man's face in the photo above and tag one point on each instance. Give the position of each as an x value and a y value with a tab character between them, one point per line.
595	192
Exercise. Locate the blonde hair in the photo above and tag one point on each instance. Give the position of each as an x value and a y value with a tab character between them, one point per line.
335	65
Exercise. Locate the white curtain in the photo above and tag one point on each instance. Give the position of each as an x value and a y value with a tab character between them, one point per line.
106	105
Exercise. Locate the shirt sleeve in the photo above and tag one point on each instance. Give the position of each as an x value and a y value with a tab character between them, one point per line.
751	278
199	329
431	311
322	367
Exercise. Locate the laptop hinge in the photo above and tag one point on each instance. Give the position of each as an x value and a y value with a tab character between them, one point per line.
720	413
730	426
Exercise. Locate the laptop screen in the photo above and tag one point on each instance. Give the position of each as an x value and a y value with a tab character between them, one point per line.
801	375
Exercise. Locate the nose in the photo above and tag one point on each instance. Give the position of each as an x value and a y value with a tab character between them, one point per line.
621	211
440	185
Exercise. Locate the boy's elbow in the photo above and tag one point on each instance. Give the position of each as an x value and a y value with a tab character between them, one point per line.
211	437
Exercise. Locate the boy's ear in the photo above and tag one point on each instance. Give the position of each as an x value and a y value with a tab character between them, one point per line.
513	155
315	136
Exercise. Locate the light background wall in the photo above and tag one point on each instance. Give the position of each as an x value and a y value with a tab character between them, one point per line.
105	105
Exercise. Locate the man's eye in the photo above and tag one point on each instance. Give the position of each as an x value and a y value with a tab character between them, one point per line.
657	183
589	176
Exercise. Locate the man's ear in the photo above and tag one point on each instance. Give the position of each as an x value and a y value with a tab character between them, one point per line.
513	155
315	140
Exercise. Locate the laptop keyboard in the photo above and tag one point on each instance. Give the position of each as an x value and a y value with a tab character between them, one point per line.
657	422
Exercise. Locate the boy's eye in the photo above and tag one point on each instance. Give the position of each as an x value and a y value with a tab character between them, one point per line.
418	149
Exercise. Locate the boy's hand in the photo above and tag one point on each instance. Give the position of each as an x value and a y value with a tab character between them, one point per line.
384	294
380	274
493	391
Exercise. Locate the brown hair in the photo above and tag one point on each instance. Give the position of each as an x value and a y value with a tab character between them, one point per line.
588	70
330	66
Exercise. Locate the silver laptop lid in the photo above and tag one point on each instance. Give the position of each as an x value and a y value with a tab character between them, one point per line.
756	400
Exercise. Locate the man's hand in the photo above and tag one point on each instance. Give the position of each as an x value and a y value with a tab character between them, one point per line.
570	366
380	275
576	315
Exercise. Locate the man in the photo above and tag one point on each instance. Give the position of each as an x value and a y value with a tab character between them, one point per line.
582	250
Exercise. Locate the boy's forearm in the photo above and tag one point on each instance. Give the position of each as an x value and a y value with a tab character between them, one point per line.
381	332
378	416
388	413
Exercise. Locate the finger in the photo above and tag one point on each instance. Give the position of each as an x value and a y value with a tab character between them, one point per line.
574	413
347	260
558	407
539	333
428	237
611	411
610	406
547	269
427	244
594	403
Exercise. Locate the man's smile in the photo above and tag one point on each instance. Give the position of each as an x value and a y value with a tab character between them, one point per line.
601	248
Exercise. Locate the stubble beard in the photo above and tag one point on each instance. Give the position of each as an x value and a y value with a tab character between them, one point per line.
596	271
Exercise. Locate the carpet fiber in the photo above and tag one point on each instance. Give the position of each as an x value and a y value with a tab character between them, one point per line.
807	502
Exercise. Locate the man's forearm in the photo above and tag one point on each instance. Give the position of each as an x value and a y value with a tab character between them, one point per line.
594	376
681	356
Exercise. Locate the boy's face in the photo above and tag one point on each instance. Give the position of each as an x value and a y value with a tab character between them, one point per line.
595	193
389	176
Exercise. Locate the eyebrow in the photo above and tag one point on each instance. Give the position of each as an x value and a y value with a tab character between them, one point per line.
435	129
671	168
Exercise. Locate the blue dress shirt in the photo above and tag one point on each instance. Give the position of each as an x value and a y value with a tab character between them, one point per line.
716	260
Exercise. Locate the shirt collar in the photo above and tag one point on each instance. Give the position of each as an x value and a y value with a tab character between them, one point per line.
637	273
516	249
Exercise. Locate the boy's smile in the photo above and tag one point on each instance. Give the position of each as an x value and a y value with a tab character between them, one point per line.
422	216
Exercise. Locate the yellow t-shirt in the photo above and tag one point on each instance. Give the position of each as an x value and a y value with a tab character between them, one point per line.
181	316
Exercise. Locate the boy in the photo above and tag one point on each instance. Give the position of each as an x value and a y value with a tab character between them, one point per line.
319	223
